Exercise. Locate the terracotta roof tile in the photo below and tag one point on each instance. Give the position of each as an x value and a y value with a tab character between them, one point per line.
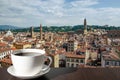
6	60
72	55
3	44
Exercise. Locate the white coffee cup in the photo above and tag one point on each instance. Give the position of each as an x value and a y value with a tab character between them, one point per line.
28	62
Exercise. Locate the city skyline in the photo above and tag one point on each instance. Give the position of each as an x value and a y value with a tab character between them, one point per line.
59	12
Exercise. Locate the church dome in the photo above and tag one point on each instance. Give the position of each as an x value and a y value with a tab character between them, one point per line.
9	33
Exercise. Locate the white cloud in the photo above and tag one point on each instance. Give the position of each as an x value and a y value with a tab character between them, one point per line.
56	12
84	3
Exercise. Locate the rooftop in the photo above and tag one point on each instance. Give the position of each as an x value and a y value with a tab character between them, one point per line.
72	55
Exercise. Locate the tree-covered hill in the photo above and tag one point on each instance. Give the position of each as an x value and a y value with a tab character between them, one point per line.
58	28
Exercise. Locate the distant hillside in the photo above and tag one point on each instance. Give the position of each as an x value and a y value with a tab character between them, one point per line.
73	28
57	28
6	27
67	28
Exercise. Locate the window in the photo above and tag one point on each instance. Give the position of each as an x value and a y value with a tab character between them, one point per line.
72	47
68	64
72	65
72	44
111	35
72	60
77	65
113	63
72	50
117	63
69	45
77	60
68	59
107	63
81	61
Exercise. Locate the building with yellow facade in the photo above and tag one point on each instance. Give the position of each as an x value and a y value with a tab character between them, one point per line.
22	45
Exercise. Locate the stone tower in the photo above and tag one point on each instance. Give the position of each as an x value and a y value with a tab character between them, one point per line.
32	32
87	53
40	32
85	26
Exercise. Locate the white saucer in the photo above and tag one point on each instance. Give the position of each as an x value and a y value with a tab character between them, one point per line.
11	71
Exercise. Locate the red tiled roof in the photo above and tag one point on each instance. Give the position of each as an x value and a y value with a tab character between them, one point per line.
82	50
5	49
13	48
9	38
110	57
22	43
6	60
47	43
72	55
3	44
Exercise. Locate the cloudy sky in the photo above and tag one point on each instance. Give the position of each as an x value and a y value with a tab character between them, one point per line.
26	13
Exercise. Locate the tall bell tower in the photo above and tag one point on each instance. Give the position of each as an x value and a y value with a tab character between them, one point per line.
85	26
32	32
40	31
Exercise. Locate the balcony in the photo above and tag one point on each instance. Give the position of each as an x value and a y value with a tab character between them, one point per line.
82	73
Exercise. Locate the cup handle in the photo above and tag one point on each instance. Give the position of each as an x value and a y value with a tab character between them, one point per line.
47	67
